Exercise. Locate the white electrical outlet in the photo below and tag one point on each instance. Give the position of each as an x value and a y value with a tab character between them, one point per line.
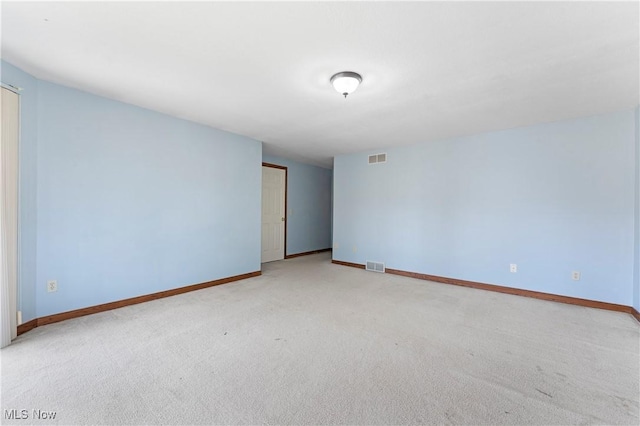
575	275
52	286
513	267
355	249
336	245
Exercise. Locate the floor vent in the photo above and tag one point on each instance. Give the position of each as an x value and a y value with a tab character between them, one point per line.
378	158
375	266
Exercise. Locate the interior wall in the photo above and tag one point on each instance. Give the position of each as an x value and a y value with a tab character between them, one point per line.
132	202
308	204
27	212
551	198
129	201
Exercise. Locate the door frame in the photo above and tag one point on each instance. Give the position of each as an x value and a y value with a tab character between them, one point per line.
11	289
286	210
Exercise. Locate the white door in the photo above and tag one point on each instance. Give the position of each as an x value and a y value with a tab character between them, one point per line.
273	209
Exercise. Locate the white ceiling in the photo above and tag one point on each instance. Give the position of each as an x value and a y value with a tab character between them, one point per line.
431	70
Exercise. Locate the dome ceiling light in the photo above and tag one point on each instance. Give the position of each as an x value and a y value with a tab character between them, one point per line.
346	82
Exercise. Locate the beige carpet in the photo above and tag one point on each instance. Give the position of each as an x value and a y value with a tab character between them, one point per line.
314	343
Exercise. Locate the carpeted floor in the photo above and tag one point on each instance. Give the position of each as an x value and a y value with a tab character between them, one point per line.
314	343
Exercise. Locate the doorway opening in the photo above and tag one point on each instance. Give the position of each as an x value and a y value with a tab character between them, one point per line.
274	209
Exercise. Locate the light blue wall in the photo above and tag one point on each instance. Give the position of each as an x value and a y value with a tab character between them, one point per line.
27	186
309	205
636	269
552	198
132	202
128	201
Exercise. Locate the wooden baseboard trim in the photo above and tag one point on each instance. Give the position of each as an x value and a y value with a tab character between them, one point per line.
50	319
508	290
515	291
353	265
306	253
27	326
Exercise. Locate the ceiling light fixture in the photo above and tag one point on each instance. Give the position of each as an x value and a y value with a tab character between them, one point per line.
346	82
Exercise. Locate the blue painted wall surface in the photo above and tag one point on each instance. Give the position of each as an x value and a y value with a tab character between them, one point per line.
27	186
309	205
552	198
132	202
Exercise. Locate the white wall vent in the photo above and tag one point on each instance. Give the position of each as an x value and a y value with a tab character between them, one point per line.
375	266
378	158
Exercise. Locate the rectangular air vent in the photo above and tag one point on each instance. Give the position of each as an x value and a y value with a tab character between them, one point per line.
375	266
378	158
